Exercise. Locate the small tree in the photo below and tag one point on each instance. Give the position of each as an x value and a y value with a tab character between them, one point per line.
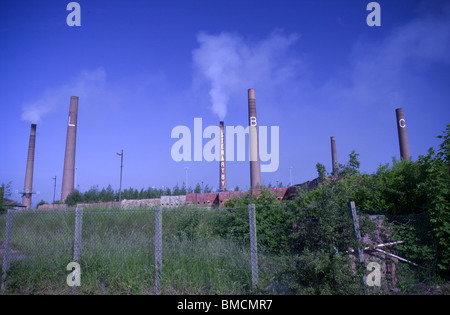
207	189
74	197
323	233
320	171
352	167
92	195
437	189
176	190
42	202
5	191
273	221
183	189
110	195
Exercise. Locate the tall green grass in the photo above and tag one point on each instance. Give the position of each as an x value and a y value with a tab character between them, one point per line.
118	255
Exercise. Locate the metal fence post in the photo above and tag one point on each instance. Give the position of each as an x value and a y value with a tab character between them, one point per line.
158	249
253	246
358	236
78	228
77	241
7	247
357	232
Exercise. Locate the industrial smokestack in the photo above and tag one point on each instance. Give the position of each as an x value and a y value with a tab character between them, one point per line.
69	159
222	171
255	168
402	135
28	187
334	156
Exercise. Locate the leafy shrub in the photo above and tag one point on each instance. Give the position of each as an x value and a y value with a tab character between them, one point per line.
273	221
322	272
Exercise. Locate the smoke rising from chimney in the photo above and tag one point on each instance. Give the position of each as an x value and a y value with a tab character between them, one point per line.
85	85
228	64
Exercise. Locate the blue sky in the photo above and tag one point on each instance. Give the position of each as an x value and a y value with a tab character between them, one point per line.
141	68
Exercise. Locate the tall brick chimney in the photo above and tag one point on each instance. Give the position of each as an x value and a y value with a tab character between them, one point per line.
402	135
68	181
222	168
28	187
255	168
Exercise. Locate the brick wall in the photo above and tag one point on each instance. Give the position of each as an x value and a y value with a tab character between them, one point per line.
203	200
142	203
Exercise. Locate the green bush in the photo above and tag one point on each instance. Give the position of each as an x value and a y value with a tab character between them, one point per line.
436	186
74	197
324	273
273	221
322	219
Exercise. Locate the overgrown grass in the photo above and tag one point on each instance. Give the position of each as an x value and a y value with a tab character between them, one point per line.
118	255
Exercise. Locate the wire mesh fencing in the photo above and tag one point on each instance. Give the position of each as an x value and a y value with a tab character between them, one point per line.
117	252
263	249
36	245
142	251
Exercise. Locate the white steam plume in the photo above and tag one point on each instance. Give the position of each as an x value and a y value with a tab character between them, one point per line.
231	65
86	84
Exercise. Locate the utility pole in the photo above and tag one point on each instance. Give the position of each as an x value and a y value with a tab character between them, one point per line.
54	189
121	167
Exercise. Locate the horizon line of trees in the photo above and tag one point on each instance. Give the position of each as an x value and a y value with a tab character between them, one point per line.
95	194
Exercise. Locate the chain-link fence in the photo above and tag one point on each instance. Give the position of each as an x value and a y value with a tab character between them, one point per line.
181	250
36	244
148	251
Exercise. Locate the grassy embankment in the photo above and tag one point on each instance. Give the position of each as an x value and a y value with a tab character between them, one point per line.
117	254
